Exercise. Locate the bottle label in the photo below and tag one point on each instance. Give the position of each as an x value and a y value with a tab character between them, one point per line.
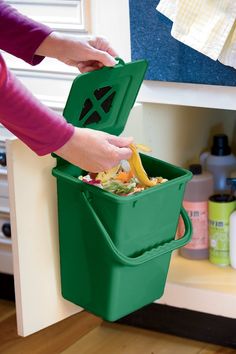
198	214
219	213
219	242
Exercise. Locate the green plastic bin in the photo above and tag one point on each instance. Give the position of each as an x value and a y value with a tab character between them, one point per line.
115	251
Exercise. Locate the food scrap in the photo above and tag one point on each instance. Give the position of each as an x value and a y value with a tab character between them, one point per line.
127	178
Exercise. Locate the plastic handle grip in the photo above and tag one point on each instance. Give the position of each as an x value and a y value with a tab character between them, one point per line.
120	61
147	255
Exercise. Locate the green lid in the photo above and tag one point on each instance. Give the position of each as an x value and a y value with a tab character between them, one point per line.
102	99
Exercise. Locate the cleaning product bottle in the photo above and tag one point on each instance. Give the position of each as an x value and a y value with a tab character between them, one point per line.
220	207
220	162
232	228
197	192
232	239
233	175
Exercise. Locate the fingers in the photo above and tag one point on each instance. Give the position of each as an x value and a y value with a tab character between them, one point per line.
124	153
105	58
88	66
112	52
120	141
96	54
121	146
103	44
104	52
91	65
95	151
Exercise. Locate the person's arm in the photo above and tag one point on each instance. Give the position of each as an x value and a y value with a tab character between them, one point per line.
44	131
95	151
40	128
20	35
85	54
32	41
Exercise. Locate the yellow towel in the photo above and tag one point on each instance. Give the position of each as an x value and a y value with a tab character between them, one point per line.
208	26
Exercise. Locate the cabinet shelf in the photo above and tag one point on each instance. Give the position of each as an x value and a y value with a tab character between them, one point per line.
203	274
195	95
201	286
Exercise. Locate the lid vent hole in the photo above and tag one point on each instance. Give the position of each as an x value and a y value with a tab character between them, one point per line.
99	93
93	118
87	106
107	104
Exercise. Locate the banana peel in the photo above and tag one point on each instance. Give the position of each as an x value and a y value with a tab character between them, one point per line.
142	147
137	167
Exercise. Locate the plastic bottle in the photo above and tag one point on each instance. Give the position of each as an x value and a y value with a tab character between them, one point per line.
195	202
220	162
220	207
233	175
232	239
232	226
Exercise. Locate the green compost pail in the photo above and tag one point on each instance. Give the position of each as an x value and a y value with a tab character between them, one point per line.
115	251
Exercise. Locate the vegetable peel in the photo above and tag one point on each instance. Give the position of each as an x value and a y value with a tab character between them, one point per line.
137	168
129	177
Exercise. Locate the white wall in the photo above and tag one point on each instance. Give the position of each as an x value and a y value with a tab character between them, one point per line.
110	18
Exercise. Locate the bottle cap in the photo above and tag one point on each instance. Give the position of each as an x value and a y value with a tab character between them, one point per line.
222	198
220	145
196	169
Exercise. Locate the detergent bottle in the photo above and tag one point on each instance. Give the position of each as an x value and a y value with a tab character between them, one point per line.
197	192
220	162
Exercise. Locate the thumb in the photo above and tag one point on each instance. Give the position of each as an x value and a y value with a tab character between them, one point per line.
124	153
120	141
104	58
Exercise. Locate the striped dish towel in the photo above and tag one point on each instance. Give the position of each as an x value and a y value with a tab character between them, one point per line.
209	26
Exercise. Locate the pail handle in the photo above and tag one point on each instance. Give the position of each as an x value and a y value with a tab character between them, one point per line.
147	255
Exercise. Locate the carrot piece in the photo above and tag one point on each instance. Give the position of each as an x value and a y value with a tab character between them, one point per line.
124	176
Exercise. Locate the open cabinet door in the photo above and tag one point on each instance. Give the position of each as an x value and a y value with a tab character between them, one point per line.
33	210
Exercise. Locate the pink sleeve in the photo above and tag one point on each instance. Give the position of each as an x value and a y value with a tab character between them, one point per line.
20	35
37	126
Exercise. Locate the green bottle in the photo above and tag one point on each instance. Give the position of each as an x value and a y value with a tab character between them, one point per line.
220	207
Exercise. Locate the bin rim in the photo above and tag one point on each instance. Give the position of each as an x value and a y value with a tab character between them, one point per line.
187	175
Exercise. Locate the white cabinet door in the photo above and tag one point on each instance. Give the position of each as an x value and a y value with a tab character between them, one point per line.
33	207
62	15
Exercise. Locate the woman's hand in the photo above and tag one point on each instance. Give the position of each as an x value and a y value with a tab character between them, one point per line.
95	151
86	55
92	150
